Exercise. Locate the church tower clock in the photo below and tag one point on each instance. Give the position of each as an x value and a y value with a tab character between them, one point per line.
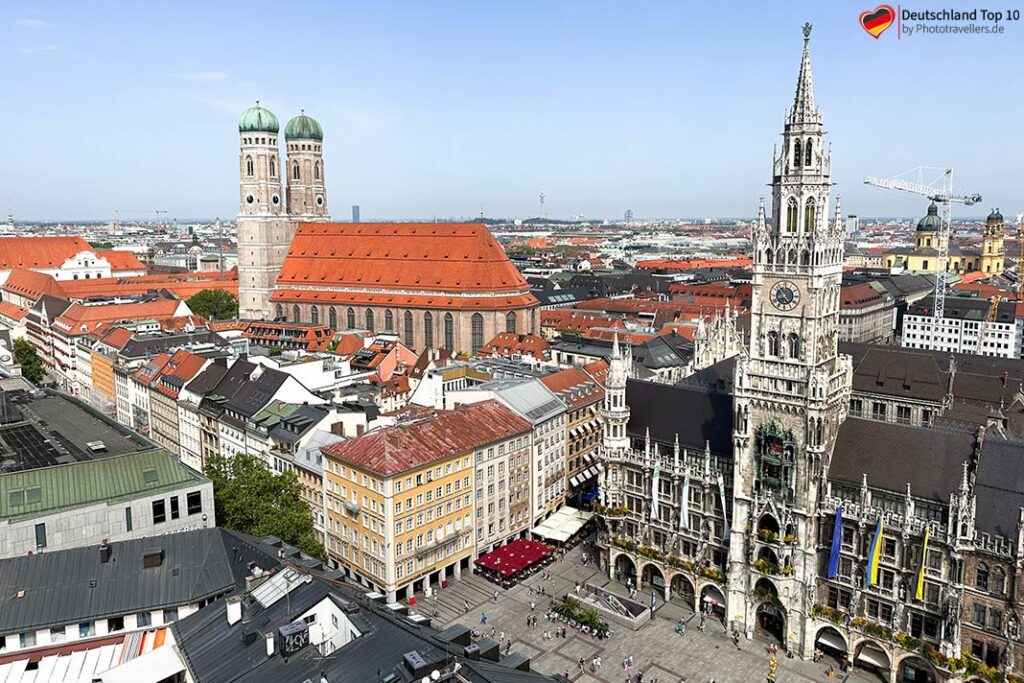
792	387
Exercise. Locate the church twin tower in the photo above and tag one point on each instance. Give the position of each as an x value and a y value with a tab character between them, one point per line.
268	213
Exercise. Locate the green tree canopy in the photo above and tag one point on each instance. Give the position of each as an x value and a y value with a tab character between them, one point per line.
31	365
250	498
214	304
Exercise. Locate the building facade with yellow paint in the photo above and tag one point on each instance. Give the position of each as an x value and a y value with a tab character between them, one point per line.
400	500
924	256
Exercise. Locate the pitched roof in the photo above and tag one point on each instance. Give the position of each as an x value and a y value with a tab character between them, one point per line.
575	386
428	257
72	586
121	260
32	284
80	319
697	415
443	434
9	310
39	252
106	480
999	485
894	455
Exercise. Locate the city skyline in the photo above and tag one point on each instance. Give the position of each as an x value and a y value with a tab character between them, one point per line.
448	113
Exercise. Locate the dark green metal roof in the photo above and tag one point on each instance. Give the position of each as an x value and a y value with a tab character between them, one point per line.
257	119
932	222
303	127
46	490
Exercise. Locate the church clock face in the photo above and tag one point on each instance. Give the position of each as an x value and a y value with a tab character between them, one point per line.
785	295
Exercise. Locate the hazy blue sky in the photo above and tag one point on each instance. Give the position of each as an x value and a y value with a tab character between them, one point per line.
436	108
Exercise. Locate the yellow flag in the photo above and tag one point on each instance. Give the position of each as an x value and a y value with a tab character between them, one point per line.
920	574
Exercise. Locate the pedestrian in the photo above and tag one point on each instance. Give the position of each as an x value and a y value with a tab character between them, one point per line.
597	662
465	606
495	596
533	605
501	638
483	617
583	666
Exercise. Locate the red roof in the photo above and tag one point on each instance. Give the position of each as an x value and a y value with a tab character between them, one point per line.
32	284
80	319
429	257
858	295
672	264
508	343
183	365
445	433
575	386
121	260
181	285
9	310
117	337
39	252
499	302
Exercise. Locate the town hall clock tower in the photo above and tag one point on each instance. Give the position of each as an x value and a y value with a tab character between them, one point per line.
791	388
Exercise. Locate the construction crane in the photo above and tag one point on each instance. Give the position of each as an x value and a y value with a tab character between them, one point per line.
990	317
940	191
138	212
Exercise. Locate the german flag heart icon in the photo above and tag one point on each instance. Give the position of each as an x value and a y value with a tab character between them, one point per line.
875	21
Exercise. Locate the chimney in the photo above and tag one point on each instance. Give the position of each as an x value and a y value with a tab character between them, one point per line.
105	553
234	605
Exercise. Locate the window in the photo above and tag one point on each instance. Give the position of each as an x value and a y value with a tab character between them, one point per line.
350	319
58	634
314	315
369	320
273	166
316	170
856	407
296	174
797	155
794	345
296	314
248	165
389	321
115	624
143	619
175	513
981	577
878	410
449	331
477	331
791	213
773	343
809	213
85	629
159	512
194	502
407	320
128	519
510	322
998	582
41	535
978	615
808	152
903	414
279	313
332	318
170	615
428	330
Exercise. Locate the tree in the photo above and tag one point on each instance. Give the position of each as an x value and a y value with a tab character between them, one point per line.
250	498
214	304
31	365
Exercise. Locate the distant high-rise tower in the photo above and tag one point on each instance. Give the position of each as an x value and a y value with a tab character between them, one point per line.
307	193
355	213
264	230
852	224
629	216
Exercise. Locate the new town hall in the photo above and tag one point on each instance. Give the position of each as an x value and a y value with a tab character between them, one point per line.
725	490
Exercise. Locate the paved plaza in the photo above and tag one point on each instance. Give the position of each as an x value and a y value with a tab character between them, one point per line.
657	650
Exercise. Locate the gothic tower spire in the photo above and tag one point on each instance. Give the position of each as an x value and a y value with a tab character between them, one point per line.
804	110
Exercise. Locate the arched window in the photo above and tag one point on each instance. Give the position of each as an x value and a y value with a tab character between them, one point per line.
428	330
350	319
773	344
809	215
296	174
769	256
369	319
808	153
248	165
476	324
316	170
794	345
389	321
449	331
791	213
278	312
981	577
510	322
998	583
805	258
409	336
332	318
797	156
296	316
273	166
314	315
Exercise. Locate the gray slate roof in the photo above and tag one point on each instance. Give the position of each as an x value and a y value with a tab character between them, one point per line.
67	587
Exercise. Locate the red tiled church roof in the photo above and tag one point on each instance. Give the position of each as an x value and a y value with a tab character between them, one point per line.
121	260
32	284
428	257
39	252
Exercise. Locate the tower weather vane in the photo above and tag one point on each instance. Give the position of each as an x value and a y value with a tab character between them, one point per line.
807	31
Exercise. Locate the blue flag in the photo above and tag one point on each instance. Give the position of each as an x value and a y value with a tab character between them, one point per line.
837	544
